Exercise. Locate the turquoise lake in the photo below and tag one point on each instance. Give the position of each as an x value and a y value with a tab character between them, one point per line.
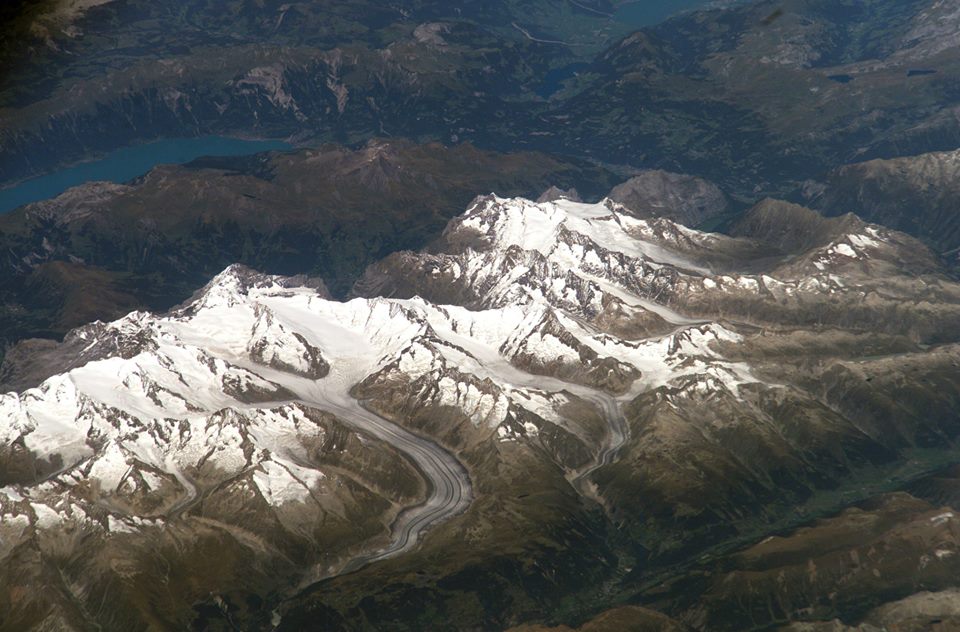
130	162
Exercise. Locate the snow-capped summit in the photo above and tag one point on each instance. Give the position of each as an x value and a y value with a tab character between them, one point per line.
637	278
554	336
187	398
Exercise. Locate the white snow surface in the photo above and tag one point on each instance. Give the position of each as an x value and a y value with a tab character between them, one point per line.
177	405
537	226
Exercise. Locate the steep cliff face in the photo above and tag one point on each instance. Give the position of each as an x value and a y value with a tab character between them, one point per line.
837	279
587	397
684	199
525	412
100	250
916	194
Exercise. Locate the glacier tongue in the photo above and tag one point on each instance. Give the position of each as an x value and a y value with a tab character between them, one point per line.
231	383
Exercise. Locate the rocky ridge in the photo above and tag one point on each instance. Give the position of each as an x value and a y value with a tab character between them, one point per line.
682	388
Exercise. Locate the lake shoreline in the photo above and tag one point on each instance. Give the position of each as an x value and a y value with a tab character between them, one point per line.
132	161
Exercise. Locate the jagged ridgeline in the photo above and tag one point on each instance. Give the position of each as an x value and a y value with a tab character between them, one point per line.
101	250
558	401
332	388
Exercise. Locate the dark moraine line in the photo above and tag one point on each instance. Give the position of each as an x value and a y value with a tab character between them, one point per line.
450	488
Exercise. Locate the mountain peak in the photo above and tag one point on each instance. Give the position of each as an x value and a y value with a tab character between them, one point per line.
790	227
230	286
561	342
682	198
555	193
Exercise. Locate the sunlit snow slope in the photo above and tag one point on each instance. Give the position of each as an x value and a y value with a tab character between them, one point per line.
567	330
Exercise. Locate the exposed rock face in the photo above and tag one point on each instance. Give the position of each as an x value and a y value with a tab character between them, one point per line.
556	408
788	396
577	386
101	250
271	344
919	195
790	228
555	193
826	271
684	199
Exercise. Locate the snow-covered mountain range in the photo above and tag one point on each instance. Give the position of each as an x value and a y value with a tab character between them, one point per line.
634	363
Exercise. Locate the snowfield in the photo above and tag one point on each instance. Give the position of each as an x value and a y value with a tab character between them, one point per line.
224	381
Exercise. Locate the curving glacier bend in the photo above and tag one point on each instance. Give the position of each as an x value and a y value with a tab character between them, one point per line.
537	312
